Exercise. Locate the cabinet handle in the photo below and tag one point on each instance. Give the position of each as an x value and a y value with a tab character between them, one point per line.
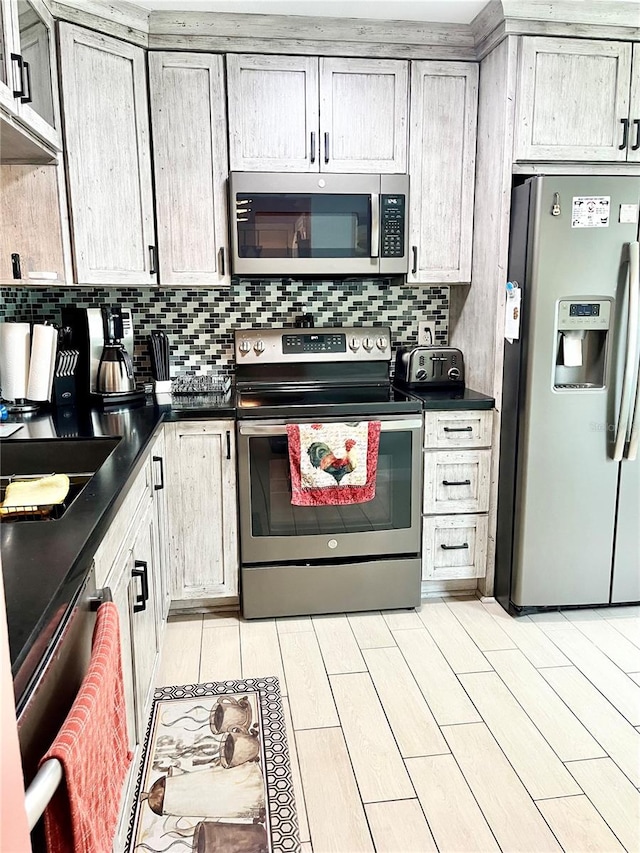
312	156
455	547
140	571
15	265
326	148
161	486
414	265
26	98
19	93
153	260
456	482
625	133
221	262
228	444
458	429
635	147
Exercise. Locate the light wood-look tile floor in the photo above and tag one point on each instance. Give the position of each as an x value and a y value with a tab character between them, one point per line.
454	727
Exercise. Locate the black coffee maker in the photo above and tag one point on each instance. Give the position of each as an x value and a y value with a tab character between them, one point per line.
104	338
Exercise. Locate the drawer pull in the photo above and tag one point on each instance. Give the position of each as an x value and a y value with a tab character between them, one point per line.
455	547
456	482
458	429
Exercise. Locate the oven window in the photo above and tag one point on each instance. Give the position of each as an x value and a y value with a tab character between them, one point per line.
272	513
288	225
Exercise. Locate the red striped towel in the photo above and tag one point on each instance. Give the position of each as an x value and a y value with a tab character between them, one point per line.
333	464
93	749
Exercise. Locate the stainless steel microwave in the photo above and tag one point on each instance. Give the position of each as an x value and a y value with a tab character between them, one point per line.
294	224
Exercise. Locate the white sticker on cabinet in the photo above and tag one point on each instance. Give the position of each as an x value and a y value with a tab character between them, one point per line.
628	214
590	211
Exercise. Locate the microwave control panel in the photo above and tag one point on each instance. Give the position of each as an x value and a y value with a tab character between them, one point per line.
392	226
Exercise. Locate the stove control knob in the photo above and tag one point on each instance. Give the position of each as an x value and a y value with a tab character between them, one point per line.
354	344
244	347
258	347
368	344
421	374
381	343
454	373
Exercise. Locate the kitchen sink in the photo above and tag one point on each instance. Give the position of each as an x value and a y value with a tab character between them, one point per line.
79	459
54	456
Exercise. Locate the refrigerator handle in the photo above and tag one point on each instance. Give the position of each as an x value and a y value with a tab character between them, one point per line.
632	450
631	351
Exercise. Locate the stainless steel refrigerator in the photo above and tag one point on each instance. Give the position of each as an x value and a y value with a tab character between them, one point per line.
569	489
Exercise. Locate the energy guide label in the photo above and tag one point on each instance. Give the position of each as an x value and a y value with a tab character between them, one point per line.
590	211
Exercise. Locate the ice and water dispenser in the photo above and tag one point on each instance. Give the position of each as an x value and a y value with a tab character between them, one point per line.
582	341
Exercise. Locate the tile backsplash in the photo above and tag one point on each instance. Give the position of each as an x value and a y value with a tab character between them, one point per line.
200	323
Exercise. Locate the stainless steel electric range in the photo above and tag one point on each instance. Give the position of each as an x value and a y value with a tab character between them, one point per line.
299	560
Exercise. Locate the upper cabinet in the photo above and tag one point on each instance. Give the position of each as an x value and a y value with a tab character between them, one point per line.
28	78
442	148
104	94
189	128
303	114
578	100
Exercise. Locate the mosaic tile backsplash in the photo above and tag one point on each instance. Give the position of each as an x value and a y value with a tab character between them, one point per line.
200	323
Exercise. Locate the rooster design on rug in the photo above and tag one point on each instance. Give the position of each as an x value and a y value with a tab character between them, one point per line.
321	456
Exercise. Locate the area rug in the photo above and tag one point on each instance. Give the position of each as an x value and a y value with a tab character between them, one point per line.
215	775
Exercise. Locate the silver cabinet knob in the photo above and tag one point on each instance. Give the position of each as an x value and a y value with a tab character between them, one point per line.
258	347
381	343
244	347
354	344
367	343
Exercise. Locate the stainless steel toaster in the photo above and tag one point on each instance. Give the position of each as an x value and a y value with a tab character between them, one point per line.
433	366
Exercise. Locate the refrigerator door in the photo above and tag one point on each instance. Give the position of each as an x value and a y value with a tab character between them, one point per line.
626	562
567	481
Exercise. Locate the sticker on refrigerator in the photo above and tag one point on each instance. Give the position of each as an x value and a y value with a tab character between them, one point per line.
590	211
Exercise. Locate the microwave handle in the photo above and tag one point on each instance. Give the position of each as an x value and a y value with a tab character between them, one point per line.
375	224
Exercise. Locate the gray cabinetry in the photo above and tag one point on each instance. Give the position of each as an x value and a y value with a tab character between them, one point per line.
304	114
104	90
189	127
201	475
28	68
578	100
442	144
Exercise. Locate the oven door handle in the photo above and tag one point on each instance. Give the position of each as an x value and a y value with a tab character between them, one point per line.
277	429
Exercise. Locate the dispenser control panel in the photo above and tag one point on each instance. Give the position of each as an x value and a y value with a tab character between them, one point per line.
584	314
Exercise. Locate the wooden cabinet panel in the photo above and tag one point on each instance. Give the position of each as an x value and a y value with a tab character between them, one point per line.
161	523
442	143
572	96
456	482
108	153
189	128
273	113
454	546
202	509
633	148
457	429
363	115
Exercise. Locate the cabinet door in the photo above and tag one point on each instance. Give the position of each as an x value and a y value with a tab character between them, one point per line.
442	146
273	113
633	147
189	126
142	601
8	66
120	578
161	525
363	115
572	97
202	509
107	141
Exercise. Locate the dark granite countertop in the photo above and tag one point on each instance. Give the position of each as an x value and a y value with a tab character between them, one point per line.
452	399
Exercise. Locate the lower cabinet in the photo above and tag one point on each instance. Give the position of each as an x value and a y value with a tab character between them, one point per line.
202	510
457	464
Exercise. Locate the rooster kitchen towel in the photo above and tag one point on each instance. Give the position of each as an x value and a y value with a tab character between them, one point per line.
333	464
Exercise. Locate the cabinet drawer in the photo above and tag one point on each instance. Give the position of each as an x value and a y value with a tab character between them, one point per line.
456	482
454	546
458	429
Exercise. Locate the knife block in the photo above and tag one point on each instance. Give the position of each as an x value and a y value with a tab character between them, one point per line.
64	391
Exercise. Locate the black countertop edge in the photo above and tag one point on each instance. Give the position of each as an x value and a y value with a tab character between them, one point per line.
449	399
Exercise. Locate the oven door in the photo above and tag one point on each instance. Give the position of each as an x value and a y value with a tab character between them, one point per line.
272	530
